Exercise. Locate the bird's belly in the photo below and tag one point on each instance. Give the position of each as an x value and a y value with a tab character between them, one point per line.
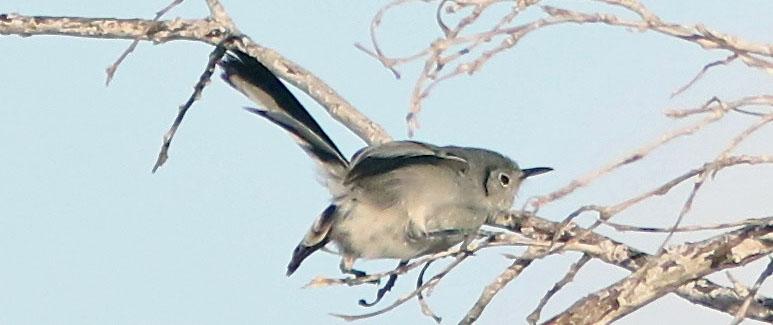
371	233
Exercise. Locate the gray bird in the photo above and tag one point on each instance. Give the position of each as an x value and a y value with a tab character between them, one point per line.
398	200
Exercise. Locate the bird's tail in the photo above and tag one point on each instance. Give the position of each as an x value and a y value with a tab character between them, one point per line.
279	105
316	238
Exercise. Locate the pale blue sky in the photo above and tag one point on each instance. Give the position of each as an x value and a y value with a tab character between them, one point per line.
89	236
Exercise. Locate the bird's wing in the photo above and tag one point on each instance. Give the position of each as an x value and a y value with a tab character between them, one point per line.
382	159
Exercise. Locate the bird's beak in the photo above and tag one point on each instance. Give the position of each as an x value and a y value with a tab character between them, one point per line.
529	172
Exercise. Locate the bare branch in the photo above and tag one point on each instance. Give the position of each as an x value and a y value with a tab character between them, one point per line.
568	277
700	291
338	107
685	208
324	282
218	13
409	296
110	71
462	51
700	74
718	112
442	52
715	103
204	80
710	167
745	222
509	274
698	34
209	31
670	269
741	314
746	133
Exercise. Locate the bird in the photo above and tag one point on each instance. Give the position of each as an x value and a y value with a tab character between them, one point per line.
397	200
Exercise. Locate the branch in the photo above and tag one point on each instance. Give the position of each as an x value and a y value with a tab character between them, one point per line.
429	284
338	108
669	270
202	30
110	71
741	314
568	277
446	52
698	291
676	270
508	275
204	79
208	31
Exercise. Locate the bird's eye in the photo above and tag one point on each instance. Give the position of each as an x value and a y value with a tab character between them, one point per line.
504	179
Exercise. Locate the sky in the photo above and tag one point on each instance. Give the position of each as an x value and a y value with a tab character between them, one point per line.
88	235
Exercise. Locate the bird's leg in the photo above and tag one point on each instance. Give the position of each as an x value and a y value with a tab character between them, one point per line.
387	287
346	266
420	296
467	240
420	279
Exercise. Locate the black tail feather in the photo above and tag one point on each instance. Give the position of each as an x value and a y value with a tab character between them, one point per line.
301	252
280	106
316	238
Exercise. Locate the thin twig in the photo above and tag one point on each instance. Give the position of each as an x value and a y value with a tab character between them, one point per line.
718	112
741	314
489	240
699	291
685	208
441	52
745	222
491	290
204	80
320	282
715	103
668	270
218	13
110	71
568	277
746	133
409	296
700	74
710	167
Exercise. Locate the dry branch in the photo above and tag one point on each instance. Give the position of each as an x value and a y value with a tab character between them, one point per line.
458	51
208	31
698	291
444	53
668	271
